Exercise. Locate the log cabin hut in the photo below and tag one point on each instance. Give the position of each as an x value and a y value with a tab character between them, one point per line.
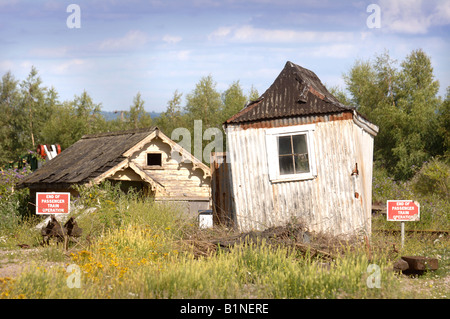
145	159
298	153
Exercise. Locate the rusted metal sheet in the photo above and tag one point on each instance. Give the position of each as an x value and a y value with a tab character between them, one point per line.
297	120
295	92
326	203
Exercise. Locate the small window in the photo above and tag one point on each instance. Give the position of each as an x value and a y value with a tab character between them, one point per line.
154	159
290	153
293	154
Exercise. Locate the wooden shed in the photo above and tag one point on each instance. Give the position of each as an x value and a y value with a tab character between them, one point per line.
298	153
145	159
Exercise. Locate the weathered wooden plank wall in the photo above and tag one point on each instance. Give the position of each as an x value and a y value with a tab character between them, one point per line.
180	180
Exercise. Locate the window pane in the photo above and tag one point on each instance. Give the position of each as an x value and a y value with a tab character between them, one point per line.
286	165
284	145
300	146
301	163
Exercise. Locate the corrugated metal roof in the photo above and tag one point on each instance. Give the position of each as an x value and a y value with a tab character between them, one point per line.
295	92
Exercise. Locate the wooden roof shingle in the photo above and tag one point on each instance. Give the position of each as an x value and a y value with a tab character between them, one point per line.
87	158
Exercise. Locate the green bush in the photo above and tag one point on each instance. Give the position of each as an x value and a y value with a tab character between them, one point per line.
429	187
433	178
13	202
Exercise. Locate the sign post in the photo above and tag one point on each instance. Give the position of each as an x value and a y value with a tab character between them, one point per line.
52	203
402	211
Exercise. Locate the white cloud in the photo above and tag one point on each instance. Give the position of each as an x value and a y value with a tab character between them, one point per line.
6	65
181	55
262	73
441	15
220	33
55	52
70	66
413	16
339	51
26	65
171	39
132	40
248	33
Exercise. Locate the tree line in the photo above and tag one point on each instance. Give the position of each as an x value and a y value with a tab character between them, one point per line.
403	101
33	114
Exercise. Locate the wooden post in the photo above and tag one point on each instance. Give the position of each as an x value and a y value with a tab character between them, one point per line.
403	233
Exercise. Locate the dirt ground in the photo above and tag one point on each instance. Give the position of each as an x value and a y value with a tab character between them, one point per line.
426	288
13	262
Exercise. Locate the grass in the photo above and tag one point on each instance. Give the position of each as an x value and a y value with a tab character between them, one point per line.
136	248
131	270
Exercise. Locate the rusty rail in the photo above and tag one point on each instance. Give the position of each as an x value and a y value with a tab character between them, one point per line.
416	231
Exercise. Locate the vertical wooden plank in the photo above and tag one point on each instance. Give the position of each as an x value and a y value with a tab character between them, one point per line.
221	192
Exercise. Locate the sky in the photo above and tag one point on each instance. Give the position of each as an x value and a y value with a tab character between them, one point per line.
114	49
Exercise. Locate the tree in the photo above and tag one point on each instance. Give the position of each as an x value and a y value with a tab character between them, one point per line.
339	93
253	94
444	125
33	111
404	104
25	107
371	85
71	120
204	102
137	117
65	135
9	101
417	97
173	116
88	117
233	100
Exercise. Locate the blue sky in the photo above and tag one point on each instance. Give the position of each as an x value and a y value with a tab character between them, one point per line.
157	47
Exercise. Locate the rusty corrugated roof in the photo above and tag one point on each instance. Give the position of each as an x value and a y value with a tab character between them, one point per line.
295	92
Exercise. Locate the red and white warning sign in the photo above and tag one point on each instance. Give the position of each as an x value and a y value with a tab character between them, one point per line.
403	210
52	203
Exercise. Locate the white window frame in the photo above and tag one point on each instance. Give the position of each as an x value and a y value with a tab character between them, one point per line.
272	152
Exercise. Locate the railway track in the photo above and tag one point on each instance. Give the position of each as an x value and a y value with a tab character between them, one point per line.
413	231
380	209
